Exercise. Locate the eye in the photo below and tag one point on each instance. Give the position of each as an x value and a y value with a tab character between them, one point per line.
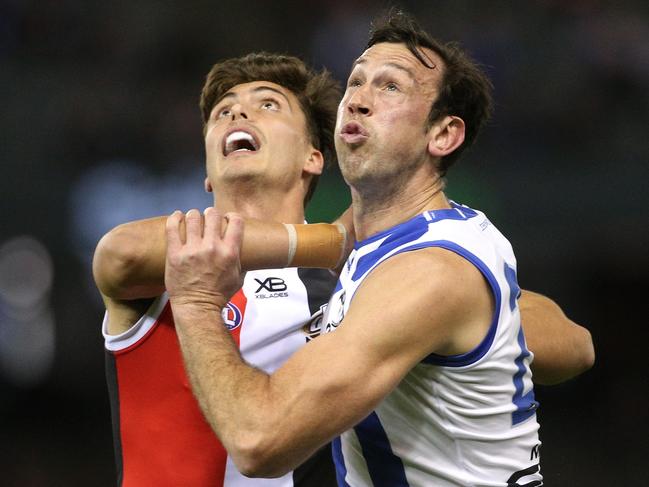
354	83
223	112
391	87
270	105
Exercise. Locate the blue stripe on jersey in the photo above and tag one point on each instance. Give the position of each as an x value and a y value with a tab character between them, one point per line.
404	228
385	468
404	232
526	405
338	287
399	235
339	462
514	289
458	212
478	352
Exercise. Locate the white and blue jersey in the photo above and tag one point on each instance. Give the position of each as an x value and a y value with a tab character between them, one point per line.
462	420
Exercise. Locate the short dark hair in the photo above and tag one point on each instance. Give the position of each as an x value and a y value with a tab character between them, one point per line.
317	92
464	91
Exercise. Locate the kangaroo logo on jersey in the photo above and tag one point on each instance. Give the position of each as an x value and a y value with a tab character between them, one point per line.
232	316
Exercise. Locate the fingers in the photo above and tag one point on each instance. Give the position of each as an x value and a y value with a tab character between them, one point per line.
233	235
212	224
228	229
172	229
193	223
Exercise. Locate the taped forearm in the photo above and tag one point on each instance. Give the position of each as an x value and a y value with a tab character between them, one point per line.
268	245
130	260
316	245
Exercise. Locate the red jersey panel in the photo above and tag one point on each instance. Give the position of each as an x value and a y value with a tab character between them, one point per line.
158	411
161	437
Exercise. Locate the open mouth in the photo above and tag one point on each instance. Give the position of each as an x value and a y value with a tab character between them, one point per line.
239	141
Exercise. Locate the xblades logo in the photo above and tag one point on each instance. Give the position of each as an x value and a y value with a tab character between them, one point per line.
271	284
274	285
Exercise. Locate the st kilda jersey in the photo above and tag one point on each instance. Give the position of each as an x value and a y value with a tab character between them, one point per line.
161	437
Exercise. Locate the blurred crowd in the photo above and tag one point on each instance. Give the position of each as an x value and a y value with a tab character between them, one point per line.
100	125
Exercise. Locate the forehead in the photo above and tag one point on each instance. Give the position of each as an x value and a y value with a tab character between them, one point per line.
397	55
262	88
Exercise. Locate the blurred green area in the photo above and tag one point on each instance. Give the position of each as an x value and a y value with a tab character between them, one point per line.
330	199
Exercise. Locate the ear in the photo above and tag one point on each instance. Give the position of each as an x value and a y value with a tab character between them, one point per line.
314	163
445	136
208	185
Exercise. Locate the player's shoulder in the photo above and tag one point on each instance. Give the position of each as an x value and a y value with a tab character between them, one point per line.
429	284
428	294
427	268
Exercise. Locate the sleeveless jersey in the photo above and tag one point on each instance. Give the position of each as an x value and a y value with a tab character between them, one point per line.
463	420
161	437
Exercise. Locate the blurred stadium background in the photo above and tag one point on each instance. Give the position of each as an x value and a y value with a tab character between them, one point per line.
99	124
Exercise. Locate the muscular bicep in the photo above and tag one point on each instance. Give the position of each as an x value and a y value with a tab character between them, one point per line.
399	315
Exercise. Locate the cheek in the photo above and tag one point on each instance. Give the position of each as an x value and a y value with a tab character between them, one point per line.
339	116
405	120
212	144
396	123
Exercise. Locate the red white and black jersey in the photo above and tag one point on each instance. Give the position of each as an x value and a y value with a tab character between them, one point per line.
161	437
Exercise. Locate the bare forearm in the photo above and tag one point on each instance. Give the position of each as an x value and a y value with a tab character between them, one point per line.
562	349
129	261
235	397
208	350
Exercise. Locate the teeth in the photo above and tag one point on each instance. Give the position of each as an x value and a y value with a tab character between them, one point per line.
232	142
239	135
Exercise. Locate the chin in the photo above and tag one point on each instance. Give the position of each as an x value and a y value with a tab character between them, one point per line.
234	174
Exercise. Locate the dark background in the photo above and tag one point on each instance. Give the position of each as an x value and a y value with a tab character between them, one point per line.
99	124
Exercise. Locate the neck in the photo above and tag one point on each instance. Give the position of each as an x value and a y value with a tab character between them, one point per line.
262	205
375	211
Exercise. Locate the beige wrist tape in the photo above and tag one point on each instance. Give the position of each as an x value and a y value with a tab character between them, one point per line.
316	245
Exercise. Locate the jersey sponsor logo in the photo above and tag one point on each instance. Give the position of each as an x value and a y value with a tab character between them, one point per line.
275	287
232	316
272	284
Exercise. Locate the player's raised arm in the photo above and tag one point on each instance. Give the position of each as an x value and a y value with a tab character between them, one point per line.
129	261
562	349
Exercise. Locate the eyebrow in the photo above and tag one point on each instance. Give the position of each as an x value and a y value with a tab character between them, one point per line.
230	94
409	71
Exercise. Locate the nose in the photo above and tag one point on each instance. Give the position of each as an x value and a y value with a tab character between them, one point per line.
359	102
238	111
